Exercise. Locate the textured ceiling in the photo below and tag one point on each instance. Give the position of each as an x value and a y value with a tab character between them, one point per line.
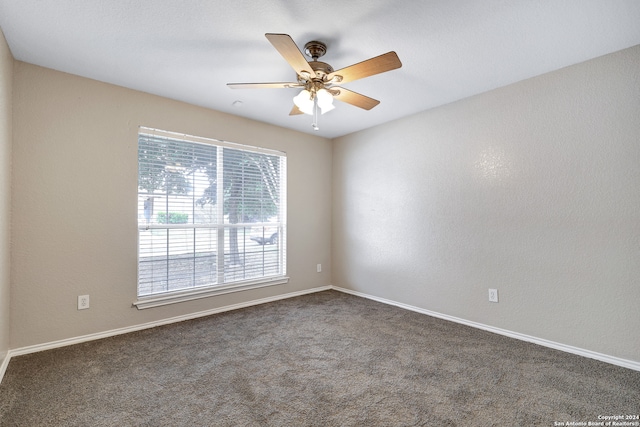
188	50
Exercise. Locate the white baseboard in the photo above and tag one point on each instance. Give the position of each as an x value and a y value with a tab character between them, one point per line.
4	364
84	338
630	364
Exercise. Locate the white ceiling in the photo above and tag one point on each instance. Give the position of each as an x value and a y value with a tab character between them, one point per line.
188	50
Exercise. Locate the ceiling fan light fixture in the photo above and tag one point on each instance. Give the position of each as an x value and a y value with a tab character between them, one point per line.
304	101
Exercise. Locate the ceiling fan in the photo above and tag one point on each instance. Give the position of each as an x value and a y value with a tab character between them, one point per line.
318	79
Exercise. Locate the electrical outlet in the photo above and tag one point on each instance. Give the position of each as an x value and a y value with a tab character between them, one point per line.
319	268
83	302
493	295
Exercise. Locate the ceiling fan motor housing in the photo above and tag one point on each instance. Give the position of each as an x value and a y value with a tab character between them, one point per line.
321	67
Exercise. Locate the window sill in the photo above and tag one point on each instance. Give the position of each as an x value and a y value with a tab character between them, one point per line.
192	294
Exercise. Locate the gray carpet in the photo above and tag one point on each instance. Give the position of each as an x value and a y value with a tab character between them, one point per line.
325	359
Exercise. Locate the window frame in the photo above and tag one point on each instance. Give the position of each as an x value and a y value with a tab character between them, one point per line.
217	288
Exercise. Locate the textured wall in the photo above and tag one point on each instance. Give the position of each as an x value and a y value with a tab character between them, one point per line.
6	84
75	192
531	189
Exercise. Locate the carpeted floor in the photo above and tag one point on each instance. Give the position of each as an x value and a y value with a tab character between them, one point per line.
325	359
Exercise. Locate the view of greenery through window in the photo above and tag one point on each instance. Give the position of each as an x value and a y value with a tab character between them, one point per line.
208	214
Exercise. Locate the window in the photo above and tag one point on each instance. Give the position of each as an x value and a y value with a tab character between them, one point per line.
211	217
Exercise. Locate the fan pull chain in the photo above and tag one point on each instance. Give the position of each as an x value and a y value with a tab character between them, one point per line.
314	125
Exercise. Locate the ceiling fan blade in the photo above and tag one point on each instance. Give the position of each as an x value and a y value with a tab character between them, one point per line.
283	85
295	111
379	64
354	98
290	52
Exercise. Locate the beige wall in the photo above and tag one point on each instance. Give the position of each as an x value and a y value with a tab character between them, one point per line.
532	189
6	84
74	206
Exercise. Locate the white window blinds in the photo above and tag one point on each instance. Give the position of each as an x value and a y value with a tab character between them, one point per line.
210	213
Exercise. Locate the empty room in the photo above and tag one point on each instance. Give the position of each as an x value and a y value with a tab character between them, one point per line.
283	213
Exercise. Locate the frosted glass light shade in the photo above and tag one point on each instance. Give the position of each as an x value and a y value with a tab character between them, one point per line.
325	100
304	102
